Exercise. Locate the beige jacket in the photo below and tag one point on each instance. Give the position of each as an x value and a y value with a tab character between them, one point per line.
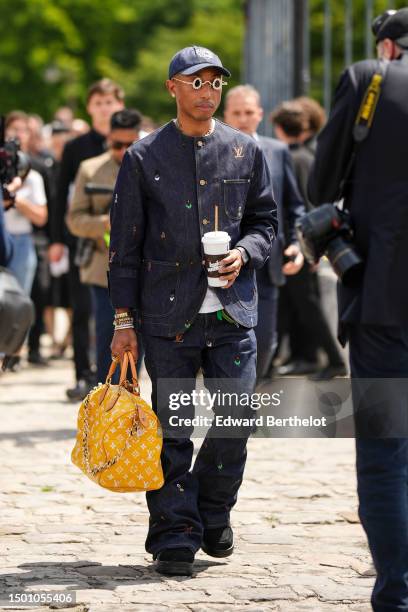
86	217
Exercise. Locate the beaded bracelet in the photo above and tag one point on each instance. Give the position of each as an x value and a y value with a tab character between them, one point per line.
122	315
124	326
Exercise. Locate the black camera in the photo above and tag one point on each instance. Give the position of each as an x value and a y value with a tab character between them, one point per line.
13	162
326	230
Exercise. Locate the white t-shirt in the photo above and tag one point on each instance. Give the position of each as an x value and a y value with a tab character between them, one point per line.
32	190
211	303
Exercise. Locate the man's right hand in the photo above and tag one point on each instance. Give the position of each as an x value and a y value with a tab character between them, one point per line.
55	252
124	340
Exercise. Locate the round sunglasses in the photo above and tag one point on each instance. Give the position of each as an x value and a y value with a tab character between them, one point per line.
198	83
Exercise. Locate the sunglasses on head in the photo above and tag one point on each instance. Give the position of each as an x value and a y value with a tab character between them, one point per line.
198	83
118	144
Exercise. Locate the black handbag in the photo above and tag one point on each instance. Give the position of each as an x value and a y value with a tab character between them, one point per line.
16	313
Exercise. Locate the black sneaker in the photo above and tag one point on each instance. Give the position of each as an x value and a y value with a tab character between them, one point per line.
11	363
35	358
175	562
218	542
80	391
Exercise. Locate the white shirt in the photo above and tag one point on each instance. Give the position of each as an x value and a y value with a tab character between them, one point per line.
32	190
211	303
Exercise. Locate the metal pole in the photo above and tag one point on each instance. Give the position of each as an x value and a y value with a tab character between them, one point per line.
269	52
368	32
348	32
306	46
301	47
327	53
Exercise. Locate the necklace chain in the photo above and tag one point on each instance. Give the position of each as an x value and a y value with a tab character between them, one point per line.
210	131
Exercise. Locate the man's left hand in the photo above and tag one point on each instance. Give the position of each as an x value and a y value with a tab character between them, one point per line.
231	266
292	267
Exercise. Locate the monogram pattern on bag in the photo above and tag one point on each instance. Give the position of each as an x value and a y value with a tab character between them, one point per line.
119	441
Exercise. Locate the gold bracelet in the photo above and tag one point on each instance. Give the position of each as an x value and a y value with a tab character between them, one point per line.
122	315
123	322
125	326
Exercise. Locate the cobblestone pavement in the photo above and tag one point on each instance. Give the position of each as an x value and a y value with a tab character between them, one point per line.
299	546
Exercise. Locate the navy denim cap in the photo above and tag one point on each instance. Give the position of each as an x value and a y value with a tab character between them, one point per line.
192	59
395	28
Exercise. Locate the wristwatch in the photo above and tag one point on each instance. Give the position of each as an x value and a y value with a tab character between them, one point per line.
244	254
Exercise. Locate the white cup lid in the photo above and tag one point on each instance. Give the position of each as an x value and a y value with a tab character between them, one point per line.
216	237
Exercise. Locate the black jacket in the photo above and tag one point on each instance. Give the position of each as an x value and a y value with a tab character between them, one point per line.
303	156
289	203
377	193
75	151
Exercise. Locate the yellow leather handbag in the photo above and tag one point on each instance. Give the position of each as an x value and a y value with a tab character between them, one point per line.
119	438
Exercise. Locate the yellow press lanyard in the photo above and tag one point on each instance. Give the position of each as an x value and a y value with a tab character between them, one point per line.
363	121
367	108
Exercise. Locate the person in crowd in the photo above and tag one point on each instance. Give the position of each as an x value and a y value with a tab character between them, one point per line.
104	98
244	112
147	126
300	310
30	209
65	115
59	136
79	127
315	116
163	204
42	161
88	217
373	313
6	240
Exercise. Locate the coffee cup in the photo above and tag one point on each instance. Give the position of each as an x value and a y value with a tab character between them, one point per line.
216	246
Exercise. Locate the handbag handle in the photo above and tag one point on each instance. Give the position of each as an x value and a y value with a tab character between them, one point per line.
134	386
127	360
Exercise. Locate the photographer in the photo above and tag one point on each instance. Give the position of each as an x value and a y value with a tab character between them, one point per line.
374	313
6	242
88	217
30	208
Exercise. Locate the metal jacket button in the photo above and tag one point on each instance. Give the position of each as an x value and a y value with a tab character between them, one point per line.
203	182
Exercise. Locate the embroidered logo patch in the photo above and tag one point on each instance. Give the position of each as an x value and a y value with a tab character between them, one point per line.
239	152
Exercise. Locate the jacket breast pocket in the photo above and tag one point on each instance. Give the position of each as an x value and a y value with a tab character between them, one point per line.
161	280
235	192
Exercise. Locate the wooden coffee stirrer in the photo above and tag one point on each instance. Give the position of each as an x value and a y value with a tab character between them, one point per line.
216	218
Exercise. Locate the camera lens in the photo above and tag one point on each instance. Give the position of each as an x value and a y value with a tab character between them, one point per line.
346	262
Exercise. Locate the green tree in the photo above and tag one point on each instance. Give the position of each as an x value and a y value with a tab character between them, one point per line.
51	50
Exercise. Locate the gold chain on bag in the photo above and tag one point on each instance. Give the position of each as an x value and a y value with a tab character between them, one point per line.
137	439
102	466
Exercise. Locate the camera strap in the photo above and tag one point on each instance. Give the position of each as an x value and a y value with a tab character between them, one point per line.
365	116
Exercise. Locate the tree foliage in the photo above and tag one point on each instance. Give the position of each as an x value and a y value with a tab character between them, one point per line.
51	50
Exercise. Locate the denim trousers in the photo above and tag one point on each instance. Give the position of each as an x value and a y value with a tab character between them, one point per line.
202	497
382	468
23	263
103	313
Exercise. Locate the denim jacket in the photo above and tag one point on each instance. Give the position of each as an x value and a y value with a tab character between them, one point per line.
163	203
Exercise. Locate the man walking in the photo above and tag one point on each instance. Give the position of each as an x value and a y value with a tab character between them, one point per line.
165	199
374	315
244	112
